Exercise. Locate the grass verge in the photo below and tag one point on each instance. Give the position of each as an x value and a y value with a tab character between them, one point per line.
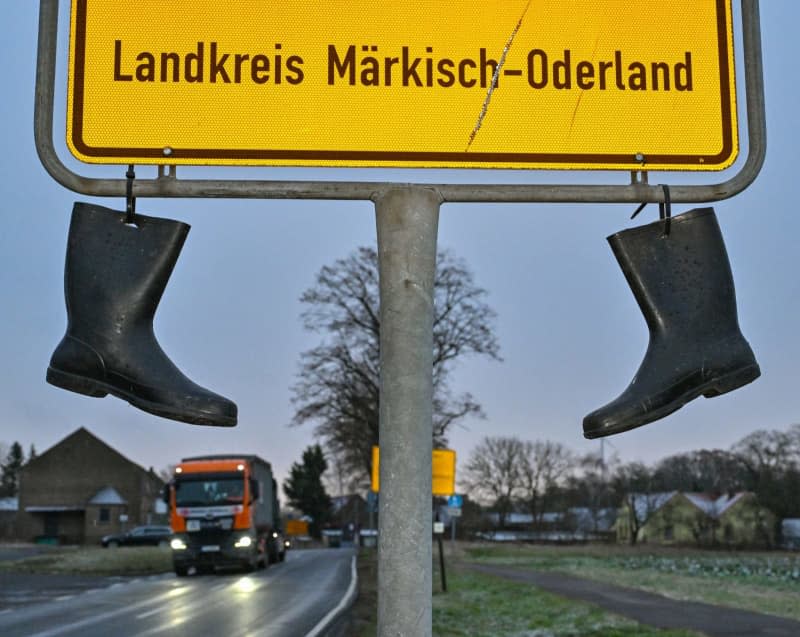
759	582
95	561
478	605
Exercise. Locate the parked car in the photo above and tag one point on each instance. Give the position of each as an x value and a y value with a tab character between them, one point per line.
140	536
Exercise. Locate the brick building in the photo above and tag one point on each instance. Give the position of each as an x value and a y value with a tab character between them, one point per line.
81	489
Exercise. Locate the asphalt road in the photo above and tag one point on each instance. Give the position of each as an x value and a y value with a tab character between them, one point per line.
651	609
296	598
22	589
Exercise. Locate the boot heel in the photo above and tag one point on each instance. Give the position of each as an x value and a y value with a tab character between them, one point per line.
732	381
74	383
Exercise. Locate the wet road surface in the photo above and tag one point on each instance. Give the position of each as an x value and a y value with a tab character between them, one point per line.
291	599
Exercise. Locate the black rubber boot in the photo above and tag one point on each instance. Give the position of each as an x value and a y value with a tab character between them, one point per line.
683	284
114	277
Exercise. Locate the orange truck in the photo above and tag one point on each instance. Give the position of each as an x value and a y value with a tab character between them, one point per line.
224	513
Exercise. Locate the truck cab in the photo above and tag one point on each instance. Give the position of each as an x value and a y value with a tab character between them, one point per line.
223	513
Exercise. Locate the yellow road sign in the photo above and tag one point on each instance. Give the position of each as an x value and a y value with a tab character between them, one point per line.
296	527
444	471
452	83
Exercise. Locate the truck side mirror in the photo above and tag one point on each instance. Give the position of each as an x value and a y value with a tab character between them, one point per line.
165	493
254	493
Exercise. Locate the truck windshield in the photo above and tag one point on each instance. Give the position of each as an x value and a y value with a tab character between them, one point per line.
209	491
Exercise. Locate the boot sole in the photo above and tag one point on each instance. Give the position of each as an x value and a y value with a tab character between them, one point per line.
732	381
98	389
710	389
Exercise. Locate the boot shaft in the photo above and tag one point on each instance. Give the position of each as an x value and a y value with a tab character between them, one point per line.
116	273
682	281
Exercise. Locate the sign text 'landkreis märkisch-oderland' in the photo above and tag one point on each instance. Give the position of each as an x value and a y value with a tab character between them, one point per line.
368	65
448	84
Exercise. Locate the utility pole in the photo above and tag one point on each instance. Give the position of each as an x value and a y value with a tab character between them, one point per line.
407	219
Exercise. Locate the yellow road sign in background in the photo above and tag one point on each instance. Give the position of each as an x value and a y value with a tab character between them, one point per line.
296	527
444	471
452	83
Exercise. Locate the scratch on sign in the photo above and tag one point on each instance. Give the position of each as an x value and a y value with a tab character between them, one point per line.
580	95
495	77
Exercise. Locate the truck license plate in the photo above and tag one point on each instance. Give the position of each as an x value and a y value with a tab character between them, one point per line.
210	548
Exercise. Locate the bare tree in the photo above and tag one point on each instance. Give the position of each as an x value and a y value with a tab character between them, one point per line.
339	383
633	484
167	473
543	465
492	474
769	451
771	461
705	470
793	436
588	486
338	481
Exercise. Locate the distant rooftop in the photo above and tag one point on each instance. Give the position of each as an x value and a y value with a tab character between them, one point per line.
714	506
648	503
791	527
645	504
9	504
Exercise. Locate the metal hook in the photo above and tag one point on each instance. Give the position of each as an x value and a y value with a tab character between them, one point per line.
665	210
130	200
639	209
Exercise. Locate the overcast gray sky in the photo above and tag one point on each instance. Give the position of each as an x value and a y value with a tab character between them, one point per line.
570	331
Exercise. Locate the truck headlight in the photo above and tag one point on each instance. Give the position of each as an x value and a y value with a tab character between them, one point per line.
177	544
244	542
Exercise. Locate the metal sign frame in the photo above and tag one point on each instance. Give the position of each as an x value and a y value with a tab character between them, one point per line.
166	184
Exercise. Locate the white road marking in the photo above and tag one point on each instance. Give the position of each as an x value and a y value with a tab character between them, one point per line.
150	612
343	603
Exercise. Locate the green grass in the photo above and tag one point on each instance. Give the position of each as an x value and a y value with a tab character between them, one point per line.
478	605
760	582
95	561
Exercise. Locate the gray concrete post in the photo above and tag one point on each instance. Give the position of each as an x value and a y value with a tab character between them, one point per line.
407	219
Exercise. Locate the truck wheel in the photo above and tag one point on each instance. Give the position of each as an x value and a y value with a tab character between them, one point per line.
181	571
282	556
